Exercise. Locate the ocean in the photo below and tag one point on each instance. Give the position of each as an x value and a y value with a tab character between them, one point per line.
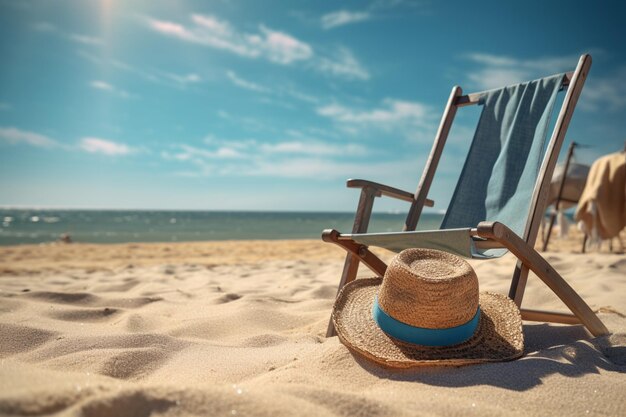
28	226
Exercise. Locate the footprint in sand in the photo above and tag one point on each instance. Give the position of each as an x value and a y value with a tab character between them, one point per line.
126	286
124	403
137	323
87	299
16	339
81	298
133	302
325	292
134	363
85	314
263	340
168	269
10	306
619	266
64	352
228	297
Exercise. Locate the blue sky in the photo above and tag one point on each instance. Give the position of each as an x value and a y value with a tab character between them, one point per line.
268	105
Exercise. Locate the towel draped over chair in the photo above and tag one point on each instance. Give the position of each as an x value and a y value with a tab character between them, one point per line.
499	174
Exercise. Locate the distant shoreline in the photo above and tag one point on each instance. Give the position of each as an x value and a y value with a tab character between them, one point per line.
151	210
138	226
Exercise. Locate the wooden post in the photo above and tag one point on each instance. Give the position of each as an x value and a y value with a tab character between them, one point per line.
570	153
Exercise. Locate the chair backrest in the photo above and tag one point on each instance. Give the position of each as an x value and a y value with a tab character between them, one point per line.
503	163
501	166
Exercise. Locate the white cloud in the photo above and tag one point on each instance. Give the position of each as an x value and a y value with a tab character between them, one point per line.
376	9
104	146
489	78
344	64
608	92
101	85
413	120
312	168
192	78
248	85
492	60
275	46
300	95
252	149
5	106
13	136
497	70
104	86
281	91
281	47
343	17
47	27
314	148
249	123
390	4
250	157
183	80
85	40
44	27
308	132
393	111
155	76
199	155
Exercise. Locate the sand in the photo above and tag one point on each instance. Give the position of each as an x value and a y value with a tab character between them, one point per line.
237	328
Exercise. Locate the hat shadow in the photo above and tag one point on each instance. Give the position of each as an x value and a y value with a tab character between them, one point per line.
549	349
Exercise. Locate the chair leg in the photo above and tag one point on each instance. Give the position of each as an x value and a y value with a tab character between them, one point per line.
518	283
536	263
546	239
570	297
361	222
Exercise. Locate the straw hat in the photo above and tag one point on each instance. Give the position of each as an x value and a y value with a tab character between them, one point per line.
432	314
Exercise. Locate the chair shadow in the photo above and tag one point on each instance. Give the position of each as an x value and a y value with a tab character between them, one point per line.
568	351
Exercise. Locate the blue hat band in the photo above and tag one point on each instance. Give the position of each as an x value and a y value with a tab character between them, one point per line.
422	336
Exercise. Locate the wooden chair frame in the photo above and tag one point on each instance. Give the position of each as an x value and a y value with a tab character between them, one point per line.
486	234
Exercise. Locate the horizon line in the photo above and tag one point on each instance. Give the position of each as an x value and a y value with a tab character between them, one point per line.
78	208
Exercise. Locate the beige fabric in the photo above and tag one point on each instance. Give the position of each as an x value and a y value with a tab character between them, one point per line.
602	206
573	187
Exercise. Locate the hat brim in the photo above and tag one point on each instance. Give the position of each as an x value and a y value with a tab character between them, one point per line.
498	337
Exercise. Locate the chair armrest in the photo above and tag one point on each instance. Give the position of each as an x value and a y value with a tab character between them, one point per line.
386	190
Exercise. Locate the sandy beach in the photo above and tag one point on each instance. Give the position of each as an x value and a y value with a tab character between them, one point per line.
237	328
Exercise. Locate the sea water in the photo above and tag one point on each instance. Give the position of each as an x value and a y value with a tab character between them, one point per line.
21	226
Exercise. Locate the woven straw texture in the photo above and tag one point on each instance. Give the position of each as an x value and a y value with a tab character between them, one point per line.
430	289
498	337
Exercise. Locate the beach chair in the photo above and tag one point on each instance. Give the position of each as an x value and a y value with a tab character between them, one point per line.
500	197
566	188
